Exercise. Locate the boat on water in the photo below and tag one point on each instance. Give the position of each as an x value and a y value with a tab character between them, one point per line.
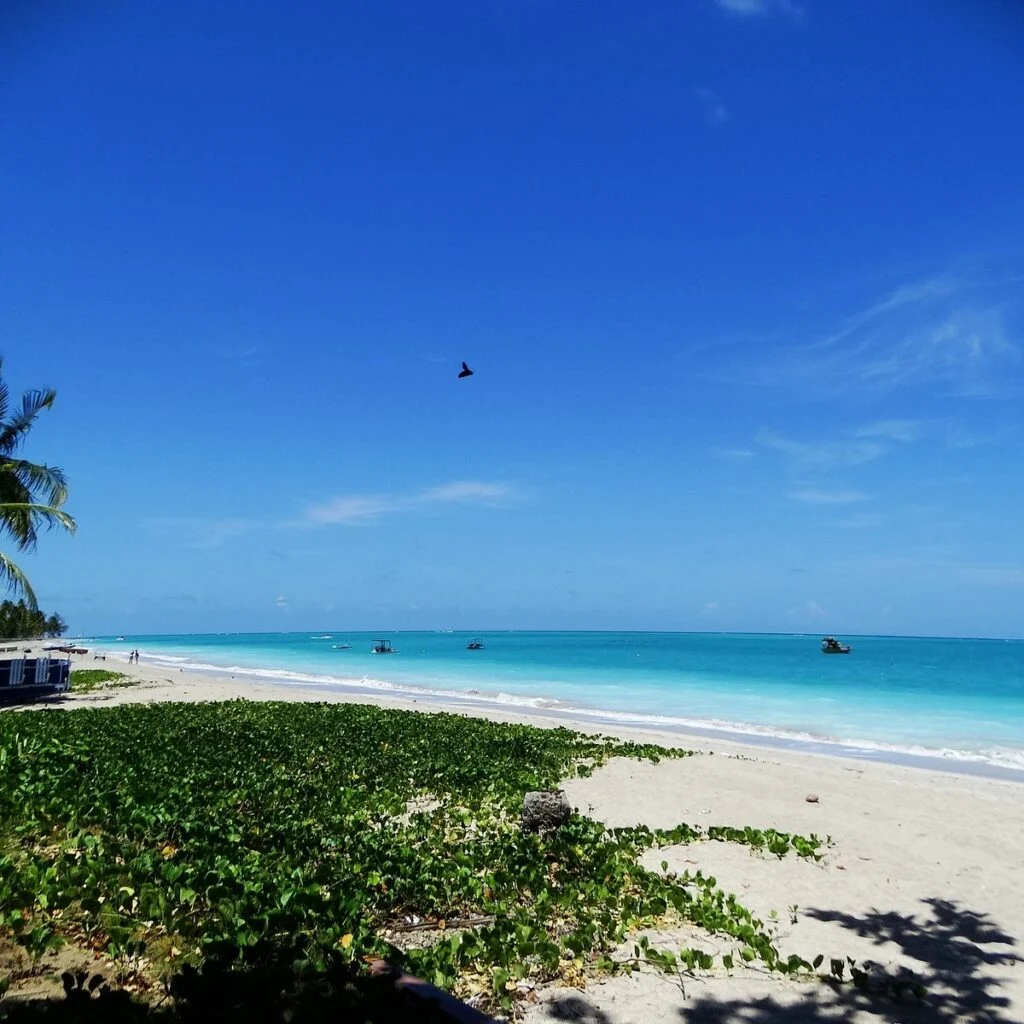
830	645
382	647
341	647
476	644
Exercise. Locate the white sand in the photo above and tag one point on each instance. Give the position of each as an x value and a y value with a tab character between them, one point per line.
922	873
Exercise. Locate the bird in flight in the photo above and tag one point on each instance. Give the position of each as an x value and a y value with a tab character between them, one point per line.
465	372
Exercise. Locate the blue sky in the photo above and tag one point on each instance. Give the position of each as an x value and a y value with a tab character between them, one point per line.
740	279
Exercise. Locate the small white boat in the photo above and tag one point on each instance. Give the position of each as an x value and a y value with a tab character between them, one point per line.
341	647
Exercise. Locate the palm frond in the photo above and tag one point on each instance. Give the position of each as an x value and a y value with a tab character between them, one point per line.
32	404
16	522
45	482
23	520
15	580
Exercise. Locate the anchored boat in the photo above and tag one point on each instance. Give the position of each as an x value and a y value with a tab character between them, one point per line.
382	647
476	644
830	645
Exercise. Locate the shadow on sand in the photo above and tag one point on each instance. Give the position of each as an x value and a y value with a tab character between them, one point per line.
954	950
953	947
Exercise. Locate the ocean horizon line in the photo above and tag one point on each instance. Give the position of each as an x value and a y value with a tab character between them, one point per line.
480	630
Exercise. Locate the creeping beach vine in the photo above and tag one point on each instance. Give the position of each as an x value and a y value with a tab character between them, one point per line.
170	834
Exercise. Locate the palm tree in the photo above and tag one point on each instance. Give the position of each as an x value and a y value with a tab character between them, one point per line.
30	494
55	626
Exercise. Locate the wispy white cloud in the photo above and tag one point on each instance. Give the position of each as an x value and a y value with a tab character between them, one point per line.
359	509
349	510
954	333
467	490
715	110
760	8
962	349
822	455
810	496
855	447
352	509
908	295
905	431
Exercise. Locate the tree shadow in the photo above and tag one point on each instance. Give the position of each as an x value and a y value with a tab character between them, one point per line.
952	947
270	988
577	1010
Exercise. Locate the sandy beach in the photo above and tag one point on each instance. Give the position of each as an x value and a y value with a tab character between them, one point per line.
920	875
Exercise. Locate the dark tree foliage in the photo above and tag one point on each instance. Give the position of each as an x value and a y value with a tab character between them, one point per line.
21	621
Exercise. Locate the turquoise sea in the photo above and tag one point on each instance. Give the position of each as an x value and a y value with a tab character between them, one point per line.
892	698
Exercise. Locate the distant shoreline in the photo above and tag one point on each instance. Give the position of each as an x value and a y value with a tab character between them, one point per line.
545	711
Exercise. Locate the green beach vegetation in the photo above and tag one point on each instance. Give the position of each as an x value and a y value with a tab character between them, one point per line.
85	680
169	835
31	494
